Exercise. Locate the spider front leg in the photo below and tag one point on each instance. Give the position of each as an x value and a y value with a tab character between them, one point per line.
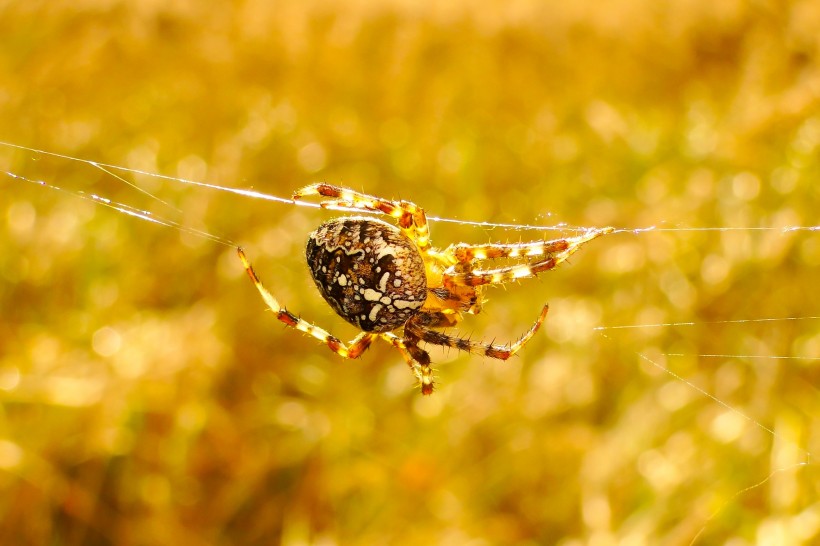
467	253
410	217
477	277
352	349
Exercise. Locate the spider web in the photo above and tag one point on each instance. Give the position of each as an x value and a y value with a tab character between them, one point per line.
607	333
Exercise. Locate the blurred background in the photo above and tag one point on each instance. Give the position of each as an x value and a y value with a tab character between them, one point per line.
147	397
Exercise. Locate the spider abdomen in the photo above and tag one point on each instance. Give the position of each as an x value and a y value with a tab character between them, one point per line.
368	271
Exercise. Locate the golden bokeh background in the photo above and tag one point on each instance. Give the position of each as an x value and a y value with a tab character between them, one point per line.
148	397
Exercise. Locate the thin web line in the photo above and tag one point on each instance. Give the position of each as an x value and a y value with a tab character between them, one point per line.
742	492
715	399
667	324
770	431
761	357
106	167
128	210
247	193
131	184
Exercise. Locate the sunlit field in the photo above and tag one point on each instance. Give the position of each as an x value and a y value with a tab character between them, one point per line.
147	396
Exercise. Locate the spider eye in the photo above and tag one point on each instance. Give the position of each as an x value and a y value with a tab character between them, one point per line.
368	271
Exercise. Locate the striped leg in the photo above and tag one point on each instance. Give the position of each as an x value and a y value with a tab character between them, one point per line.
466	253
501	352
411	217
353	349
417	358
478	277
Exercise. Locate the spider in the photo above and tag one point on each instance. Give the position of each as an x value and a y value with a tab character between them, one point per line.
390	283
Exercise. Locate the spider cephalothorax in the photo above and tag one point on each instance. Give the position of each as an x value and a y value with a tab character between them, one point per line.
390	283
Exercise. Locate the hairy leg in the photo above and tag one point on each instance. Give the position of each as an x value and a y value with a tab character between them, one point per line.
410	217
501	352
353	349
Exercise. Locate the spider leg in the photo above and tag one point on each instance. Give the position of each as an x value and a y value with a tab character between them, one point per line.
411	217
466	253
417	358
500	275
501	352
353	349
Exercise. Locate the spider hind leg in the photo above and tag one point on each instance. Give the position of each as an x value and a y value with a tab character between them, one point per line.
417	359
491	350
353	349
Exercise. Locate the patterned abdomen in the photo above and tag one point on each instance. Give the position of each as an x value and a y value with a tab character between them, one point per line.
369	272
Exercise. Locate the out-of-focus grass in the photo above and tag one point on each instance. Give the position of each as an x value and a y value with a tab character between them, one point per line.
148	398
